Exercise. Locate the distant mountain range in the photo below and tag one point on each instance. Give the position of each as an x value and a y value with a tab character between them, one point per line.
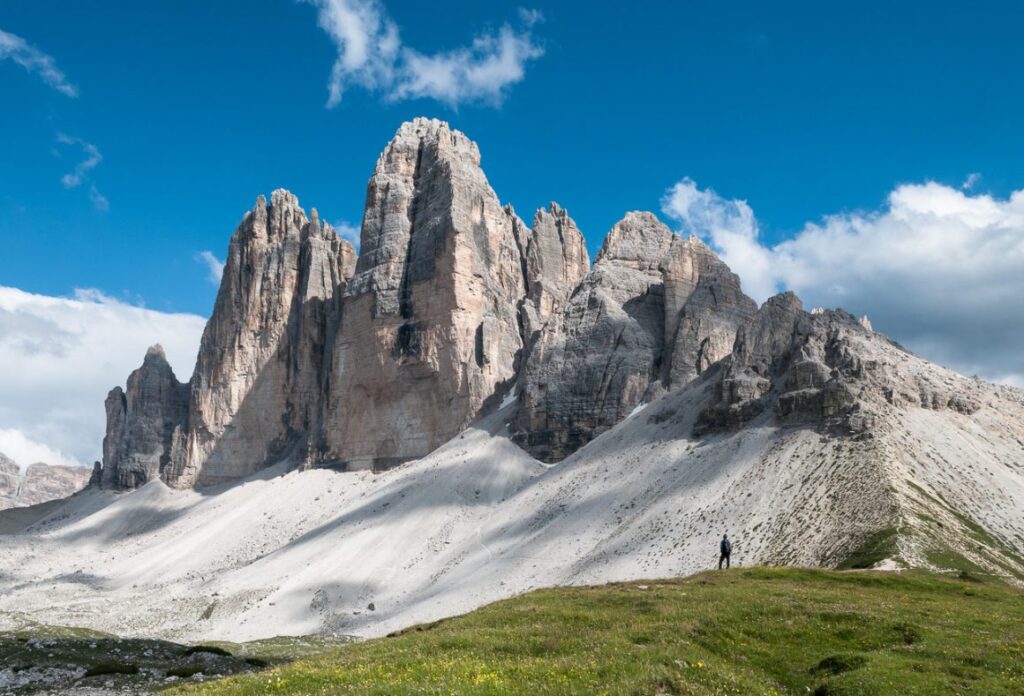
38	483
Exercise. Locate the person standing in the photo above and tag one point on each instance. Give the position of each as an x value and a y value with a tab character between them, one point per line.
726	551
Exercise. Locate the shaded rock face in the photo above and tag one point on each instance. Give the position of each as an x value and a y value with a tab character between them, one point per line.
654	313
429	330
39	483
555	261
255	396
704	308
257	387
145	423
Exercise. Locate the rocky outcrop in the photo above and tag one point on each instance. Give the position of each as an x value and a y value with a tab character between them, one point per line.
826	368
316	358
594	361
555	261
145	423
256	395
429	331
704	308
39	483
654	313
10	475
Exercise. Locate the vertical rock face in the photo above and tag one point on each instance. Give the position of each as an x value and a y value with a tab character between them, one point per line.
555	261
258	380
312	356
10	475
429	329
143	423
704	307
655	312
256	395
594	360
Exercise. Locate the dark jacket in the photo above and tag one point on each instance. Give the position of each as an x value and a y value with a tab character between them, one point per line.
726	547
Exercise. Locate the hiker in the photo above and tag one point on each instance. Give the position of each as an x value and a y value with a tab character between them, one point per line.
726	548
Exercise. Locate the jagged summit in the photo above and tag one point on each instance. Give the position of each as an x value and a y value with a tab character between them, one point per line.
319	358
156	352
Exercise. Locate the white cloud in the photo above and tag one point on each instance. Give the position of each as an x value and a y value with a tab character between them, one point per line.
371	55
938	269
350	233
91	158
971	181
35	61
214	266
60	356
99	201
24	451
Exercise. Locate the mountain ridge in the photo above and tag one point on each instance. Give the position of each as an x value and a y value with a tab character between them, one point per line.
452	302
472	409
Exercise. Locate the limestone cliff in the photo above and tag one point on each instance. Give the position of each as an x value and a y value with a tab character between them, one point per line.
257	387
555	261
255	396
146	422
429	331
826	368
654	313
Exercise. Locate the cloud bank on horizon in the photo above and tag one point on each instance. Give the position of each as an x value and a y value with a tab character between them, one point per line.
60	356
938	269
371	55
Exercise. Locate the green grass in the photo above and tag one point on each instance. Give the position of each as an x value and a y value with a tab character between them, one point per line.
61	659
751	631
875	549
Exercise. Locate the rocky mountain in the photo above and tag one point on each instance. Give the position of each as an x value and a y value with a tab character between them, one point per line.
38	483
258	389
559	423
316	358
429	323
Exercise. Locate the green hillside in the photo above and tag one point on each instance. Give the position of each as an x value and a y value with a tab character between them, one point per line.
754	631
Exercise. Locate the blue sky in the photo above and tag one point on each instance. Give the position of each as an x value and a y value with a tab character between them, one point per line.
867	155
801	109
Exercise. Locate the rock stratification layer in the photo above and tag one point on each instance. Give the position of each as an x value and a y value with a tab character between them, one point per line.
429	330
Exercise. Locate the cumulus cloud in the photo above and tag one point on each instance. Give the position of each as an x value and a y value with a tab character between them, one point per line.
371	55
36	62
15	445
214	266
81	173
59	356
936	268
